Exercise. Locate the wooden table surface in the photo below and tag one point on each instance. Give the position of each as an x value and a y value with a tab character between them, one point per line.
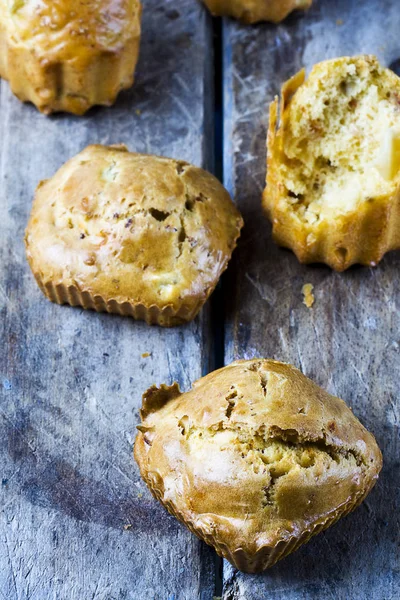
76	521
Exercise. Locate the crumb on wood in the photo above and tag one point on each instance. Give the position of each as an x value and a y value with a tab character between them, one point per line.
307	291
146	354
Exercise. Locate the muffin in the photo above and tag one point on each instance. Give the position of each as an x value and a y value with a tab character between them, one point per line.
131	234
333	180
252	11
69	55
255	459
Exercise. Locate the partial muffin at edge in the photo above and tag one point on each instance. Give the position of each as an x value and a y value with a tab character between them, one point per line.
253	11
333	164
255	459
69	55
130	233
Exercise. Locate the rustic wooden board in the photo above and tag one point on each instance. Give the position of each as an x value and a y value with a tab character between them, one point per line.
71	381
349	341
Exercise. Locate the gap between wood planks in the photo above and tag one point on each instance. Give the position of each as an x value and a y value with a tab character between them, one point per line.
217	303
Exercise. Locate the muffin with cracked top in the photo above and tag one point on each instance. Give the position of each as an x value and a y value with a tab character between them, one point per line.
133	234
255	459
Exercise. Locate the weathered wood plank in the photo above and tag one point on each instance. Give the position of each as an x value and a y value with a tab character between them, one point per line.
349	341
71	381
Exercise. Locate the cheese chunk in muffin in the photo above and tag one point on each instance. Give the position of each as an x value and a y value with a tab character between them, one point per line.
253	11
255	459
134	234
333	180
69	55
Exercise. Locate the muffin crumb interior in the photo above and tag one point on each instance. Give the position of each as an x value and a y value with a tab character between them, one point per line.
341	141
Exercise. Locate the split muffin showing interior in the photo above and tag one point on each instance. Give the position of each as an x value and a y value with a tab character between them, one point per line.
133	234
333	165
69	55
253	11
255	459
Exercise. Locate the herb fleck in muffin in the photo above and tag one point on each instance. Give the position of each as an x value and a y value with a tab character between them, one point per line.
133	234
255	459
71	54
333	180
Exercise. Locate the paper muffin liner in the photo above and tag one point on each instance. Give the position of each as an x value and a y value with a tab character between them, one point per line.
266	556
361	237
70	86
166	316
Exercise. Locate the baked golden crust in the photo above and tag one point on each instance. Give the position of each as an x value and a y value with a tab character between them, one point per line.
255	459
333	178
130	233
69	55
252	11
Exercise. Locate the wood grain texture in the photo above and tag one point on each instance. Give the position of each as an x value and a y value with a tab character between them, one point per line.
76	522
349	341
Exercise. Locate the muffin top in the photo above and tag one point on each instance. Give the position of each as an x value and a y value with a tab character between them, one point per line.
255	454
132	227
69	29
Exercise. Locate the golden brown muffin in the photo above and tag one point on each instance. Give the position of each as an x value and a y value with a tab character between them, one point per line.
333	180
252	11
133	234
71	54
255	459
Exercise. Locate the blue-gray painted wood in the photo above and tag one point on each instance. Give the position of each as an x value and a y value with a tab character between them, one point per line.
349	341
76	521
